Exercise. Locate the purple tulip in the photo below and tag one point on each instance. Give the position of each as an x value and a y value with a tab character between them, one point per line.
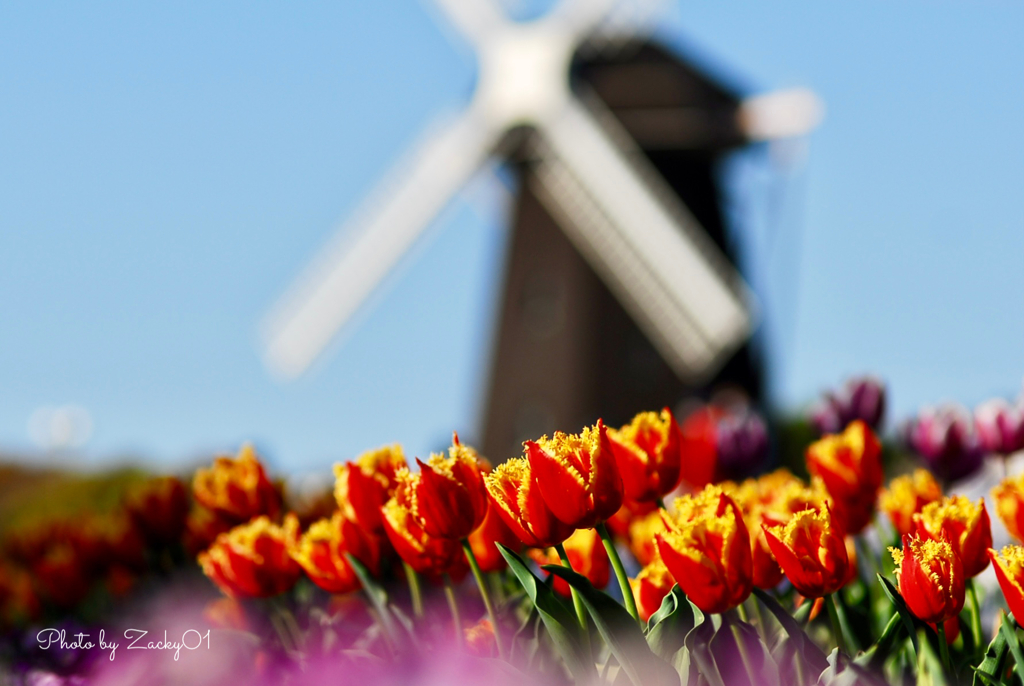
860	397
1000	426
946	440
742	444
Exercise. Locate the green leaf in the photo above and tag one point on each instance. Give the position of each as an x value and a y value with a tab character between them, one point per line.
1006	628
562	625
740	655
929	666
811	653
378	598
620	631
667	628
910	622
991	668
876	655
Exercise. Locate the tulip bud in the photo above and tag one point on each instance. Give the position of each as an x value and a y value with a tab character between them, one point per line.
1000	427
647	452
516	497
964	525
426	554
1009	495
930	578
946	440
321	553
742	442
860	398
1009	566
480	640
252	560
237	488
363	486
906	496
485	538
587	556
850	466
577	475
159	508
700	447
707	550
811	550
448	496
650	587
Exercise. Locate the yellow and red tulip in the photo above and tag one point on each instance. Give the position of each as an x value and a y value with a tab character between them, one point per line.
587	556
448	496
1009	495
906	496
964	524
237	488
321	553
516	497
362	486
647	452
577	475
426	554
484	537
252	560
1009	566
811	550
850	466
642	536
930	578
706	548
650	587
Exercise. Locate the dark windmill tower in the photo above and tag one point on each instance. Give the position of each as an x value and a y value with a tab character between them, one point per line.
619	294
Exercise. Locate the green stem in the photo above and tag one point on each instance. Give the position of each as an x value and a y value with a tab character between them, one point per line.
944	648
737	634
660	503
837	628
972	590
620	571
453	605
577	601
414	590
481	583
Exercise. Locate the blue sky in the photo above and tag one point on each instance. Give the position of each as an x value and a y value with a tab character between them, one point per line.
166	170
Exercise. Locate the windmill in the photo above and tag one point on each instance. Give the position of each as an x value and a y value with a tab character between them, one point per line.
584	171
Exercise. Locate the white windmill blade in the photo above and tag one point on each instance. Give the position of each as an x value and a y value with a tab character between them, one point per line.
475	20
369	245
654	256
580	17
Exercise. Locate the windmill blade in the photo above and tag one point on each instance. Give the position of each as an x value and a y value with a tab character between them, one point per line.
649	250
369	245
475	20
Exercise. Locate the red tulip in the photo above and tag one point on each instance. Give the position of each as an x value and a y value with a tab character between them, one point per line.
426	554
1009	495
930	578
811	551
1009	566
906	496
361	487
237	488
707	550
647	453
484	538
965	525
650	587
850	466
252	560
516	497
448	496
577	475
321	553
